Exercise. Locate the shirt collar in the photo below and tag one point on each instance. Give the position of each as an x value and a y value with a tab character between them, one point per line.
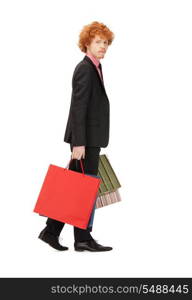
94	59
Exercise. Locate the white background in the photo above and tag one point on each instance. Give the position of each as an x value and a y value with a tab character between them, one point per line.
148	75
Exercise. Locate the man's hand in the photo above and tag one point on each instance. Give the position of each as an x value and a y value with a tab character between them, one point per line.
78	152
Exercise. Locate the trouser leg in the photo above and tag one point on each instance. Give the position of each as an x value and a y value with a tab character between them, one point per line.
54	226
90	164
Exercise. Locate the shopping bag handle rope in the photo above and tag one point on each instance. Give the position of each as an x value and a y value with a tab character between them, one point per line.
81	163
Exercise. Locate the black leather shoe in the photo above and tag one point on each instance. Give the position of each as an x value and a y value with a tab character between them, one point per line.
52	240
90	245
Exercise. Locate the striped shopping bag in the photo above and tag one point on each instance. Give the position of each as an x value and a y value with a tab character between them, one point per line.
109	186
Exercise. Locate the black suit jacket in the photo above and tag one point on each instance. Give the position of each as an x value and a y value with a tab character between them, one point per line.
88	120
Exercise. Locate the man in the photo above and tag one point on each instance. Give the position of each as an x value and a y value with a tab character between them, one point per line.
87	127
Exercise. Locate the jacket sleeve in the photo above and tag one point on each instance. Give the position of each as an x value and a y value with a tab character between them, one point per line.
81	93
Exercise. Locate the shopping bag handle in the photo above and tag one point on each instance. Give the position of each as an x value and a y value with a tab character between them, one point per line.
81	163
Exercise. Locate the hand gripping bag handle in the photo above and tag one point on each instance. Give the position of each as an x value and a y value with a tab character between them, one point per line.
81	163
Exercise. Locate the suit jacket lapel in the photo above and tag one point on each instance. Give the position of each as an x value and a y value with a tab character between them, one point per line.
86	58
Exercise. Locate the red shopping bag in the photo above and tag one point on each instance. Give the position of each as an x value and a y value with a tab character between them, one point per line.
67	196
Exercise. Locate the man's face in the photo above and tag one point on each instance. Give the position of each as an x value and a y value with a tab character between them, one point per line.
98	47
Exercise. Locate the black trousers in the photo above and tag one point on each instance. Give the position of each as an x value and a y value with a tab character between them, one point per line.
90	164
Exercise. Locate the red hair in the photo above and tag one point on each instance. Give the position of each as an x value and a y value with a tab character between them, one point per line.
90	31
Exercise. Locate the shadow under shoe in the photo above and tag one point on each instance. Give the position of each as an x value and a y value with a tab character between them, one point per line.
90	245
52	240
